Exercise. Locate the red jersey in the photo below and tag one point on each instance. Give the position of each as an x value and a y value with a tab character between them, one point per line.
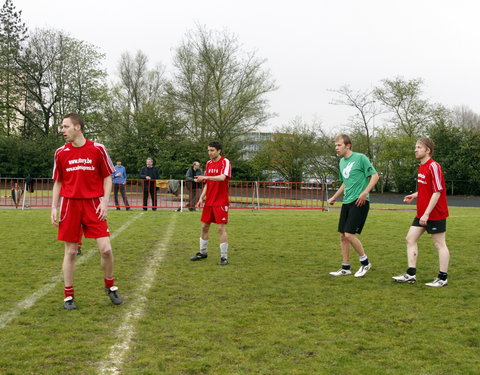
217	191
430	180
82	170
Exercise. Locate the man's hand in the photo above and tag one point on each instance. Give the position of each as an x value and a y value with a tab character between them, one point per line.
199	178
199	203
332	200
423	220
409	198
53	216
362	198
102	210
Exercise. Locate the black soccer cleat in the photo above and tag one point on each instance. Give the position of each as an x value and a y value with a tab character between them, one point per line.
223	262
199	256
69	303
114	296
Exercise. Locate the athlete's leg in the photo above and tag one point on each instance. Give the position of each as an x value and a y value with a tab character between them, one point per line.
68	265
345	248
106	254
205	231
443	253
413	235
356	244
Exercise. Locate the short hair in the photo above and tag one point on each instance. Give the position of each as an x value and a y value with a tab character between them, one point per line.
149	159
118	160
428	143
76	120
345	138
216	145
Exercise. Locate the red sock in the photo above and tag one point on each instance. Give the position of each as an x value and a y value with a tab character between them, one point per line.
68	291
109	282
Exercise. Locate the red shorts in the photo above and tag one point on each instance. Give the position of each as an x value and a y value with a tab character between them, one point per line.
77	215
215	214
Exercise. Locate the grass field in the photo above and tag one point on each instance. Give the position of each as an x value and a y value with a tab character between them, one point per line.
273	310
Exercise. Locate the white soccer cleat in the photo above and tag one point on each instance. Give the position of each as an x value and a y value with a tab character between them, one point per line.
405	278
437	283
341	272
363	270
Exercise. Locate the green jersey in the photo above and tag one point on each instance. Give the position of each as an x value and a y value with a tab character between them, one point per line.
354	173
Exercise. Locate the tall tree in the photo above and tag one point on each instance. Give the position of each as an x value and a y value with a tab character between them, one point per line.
219	89
464	117
411	113
58	74
13	33
364	104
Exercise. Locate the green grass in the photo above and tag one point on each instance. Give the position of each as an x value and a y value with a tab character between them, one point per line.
273	310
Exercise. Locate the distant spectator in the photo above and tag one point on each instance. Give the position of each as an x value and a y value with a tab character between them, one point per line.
149	174
193	187
119	179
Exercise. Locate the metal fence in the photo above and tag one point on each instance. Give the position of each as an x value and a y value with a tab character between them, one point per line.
174	194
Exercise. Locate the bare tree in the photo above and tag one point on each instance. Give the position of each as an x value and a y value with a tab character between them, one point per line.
464	117
365	111
218	89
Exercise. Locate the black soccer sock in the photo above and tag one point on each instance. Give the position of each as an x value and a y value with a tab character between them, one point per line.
442	275
411	271
345	266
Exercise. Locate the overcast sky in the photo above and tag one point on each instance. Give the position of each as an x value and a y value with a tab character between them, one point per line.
311	46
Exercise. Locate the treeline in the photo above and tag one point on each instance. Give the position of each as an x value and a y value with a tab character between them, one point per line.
217	91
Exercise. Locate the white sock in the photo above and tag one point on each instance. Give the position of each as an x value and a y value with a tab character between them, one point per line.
203	246
224	250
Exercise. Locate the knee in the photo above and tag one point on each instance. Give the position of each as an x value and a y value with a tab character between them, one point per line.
106	252
410	240
348	237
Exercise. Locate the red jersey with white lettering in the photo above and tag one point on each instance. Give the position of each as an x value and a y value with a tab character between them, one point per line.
431	180
82	170
217	191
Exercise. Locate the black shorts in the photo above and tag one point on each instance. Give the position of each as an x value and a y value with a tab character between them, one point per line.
352	218
433	226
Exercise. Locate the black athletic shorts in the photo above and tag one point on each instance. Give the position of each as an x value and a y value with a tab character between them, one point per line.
433	226
352	218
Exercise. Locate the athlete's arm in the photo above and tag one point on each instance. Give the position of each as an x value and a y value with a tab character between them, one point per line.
202	197
409	198
220	177
362	198
339	192
57	185
102	209
431	205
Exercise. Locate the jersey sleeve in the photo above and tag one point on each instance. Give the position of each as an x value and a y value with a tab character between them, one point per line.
367	166
105	163
57	170
227	169
436	174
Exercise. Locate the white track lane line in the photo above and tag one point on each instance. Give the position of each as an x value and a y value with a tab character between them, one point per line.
126	331
28	302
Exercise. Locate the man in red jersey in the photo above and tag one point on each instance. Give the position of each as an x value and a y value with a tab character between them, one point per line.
432	213
218	172
82	189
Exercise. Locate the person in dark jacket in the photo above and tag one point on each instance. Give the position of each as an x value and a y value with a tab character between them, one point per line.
149	174
193	187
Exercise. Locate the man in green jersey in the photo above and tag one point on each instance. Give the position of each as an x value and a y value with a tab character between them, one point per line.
358	177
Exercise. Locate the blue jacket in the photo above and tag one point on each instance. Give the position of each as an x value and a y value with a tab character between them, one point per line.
120	179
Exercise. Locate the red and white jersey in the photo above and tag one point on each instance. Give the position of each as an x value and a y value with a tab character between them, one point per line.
431	180
82	170
217	191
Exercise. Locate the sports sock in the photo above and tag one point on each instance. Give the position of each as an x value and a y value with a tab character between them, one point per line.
68	291
109	282
224	250
203	246
442	275
411	271
345	266
364	260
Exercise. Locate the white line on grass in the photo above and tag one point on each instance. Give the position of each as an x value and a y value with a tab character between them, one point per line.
28	302
126	330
